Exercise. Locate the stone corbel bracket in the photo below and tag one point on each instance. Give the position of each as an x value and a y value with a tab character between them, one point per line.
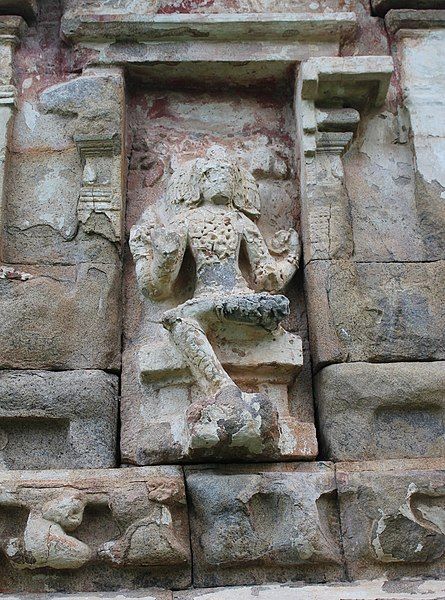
95	102
101	190
271	42
331	94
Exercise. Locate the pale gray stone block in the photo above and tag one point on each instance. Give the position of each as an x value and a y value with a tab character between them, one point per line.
54	420
380	411
253	524
42	224
392	518
93	530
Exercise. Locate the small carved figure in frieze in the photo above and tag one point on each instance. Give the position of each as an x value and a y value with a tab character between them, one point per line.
212	204
45	541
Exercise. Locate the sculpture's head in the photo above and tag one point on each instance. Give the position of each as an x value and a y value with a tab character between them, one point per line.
66	510
215	179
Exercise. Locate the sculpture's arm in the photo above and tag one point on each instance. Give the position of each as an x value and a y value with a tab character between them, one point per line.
272	267
158	253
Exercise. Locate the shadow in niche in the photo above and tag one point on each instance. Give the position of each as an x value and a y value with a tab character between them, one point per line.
12	520
98	526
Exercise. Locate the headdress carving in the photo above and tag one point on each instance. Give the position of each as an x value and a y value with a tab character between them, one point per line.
185	186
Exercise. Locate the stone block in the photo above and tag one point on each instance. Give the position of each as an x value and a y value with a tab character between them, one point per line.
56	420
60	317
380	411
393	518
420	47
250	525
418	589
375	312
93	530
42	224
380	179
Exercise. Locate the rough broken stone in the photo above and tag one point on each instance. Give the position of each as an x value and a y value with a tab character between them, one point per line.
261	523
379	167
108	529
60	317
380	411
392	517
82	224
54	420
375	312
422	75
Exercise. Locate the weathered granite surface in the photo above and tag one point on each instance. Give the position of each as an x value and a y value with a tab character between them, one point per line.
392	518
60	317
93	530
379	411
54	420
217	130
377	312
261	523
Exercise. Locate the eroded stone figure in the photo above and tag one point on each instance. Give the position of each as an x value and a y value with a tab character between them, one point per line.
211	207
45	541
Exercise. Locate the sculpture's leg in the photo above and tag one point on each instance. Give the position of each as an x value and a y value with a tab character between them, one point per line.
191	339
227	417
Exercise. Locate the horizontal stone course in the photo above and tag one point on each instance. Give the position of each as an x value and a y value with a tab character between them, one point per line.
92	530
364	590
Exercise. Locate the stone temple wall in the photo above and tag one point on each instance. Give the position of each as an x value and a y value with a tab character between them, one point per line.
222	245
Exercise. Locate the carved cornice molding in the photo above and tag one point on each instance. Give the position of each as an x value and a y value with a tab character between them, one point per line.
81	25
270	42
12	29
397	20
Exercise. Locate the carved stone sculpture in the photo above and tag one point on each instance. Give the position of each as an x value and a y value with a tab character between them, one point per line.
87	528
264	523
211	207
45	542
393	517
